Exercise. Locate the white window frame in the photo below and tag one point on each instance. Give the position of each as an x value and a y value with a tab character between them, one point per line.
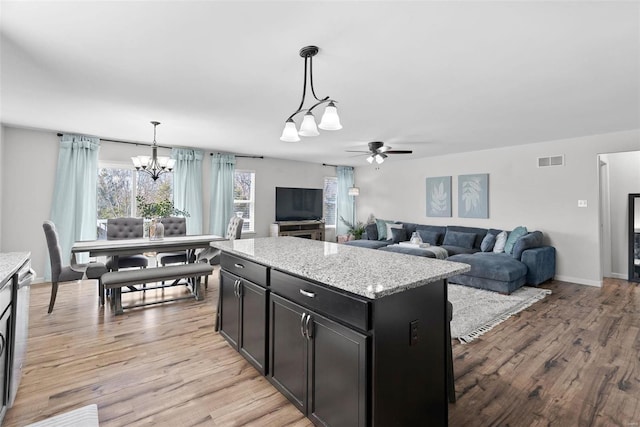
134	181
333	178
251	201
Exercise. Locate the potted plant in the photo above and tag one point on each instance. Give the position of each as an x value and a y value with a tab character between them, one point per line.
356	230
155	211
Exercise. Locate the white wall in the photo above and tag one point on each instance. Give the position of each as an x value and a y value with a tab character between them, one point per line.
28	167
520	193
624	178
1	174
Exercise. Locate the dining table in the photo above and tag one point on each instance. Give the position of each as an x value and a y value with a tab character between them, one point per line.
117	248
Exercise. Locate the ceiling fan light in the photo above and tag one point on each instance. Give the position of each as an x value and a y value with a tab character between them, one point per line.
308	126
380	158
370	159
290	133
330	119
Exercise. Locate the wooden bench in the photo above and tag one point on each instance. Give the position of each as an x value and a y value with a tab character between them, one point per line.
115	280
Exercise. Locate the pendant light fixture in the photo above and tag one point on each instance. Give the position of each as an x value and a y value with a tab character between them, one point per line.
330	119
154	165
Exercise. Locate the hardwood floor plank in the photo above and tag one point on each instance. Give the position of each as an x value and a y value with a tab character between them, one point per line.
570	359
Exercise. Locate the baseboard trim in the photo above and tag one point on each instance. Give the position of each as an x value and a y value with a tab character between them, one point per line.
619	276
579	281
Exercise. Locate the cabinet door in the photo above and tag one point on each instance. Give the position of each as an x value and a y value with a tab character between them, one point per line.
288	351
229	308
253	324
337	374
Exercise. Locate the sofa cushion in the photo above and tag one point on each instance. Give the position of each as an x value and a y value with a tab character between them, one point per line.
528	241
369	244
488	242
479	232
398	234
458	238
455	250
487	265
430	237
501	240
382	228
408	250
372	231
513	236
439	229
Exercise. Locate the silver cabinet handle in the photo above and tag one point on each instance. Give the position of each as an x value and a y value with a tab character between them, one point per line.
237	265
307	293
306	327
302	325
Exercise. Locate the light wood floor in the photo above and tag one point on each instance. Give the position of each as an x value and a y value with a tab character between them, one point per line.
571	359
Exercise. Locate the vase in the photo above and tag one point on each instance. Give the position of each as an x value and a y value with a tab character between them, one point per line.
156	230
415	238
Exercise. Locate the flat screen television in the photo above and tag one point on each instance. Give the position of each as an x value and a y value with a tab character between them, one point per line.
298	204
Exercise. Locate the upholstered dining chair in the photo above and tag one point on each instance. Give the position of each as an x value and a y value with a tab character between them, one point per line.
68	273
212	255
126	228
173	226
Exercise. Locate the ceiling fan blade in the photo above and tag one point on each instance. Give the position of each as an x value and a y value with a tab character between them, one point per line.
399	151
356	151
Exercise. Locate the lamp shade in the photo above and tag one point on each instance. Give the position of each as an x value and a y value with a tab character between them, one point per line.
290	133
354	191
330	119
370	159
308	126
380	158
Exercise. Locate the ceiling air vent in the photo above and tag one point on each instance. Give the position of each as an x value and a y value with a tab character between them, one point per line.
543	162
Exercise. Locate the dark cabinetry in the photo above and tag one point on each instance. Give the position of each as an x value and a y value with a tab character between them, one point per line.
243	309
313	230
318	364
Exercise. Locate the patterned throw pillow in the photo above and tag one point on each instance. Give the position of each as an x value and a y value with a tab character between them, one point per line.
501	240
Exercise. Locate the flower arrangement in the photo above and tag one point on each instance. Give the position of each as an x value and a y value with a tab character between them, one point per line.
162	209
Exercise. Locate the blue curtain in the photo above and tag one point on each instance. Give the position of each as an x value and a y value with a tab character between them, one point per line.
187	186
346	203
73	210
223	168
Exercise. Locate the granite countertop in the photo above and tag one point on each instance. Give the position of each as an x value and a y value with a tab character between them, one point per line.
366	272
10	262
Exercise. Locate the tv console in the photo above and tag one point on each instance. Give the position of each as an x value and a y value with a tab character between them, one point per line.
313	230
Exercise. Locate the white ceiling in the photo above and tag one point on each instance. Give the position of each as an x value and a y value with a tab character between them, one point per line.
434	77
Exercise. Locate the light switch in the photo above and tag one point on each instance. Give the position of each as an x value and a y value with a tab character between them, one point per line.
582	203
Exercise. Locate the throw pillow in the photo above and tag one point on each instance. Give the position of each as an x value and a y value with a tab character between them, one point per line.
390	227
528	241
488	242
372	231
430	237
381	224
399	234
501	240
513	236
459	238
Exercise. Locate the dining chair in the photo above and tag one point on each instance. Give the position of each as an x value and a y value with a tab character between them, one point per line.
212	255
174	226
68	273
126	228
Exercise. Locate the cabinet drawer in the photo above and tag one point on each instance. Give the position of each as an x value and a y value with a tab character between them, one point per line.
246	269
340	306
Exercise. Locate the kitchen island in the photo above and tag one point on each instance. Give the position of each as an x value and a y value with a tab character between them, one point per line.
351	336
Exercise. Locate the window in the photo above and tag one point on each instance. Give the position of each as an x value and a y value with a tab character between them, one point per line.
118	186
330	202
244	198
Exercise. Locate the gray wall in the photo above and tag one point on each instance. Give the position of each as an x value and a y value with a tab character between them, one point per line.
28	167
624	178
1	174
520	193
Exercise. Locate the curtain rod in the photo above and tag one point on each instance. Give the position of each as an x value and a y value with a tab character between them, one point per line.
327	164
159	146
242	155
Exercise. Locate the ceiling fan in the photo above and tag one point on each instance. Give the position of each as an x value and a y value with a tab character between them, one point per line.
378	151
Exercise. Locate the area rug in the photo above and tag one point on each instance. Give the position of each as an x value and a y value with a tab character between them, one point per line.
476	311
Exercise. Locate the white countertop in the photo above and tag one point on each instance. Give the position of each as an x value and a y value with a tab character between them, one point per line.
366	272
10	262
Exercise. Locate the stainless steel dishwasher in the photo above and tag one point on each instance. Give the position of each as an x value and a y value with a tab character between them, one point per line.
21	289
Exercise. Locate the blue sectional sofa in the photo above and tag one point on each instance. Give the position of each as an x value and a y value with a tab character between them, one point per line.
528	260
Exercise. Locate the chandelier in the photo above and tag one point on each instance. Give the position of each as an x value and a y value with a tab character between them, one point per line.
154	165
330	119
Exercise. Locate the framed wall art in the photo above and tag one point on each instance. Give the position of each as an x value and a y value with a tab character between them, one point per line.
473	196
439	196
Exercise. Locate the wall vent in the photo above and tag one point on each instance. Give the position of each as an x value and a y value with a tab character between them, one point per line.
543	162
